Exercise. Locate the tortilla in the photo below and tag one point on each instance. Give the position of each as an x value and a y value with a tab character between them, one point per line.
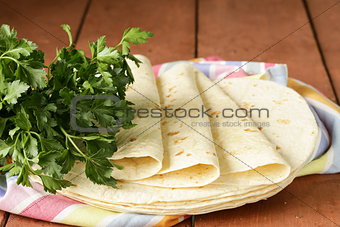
292	124
245	154
189	160
140	149
194	206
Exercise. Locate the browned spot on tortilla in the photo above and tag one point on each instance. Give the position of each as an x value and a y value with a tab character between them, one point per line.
207	152
277	147
181	125
173	133
283	121
254	85
280	101
160	175
252	105
244	119
277	101
180	140
246	105
214	154
169	106
189	154
172	100
260	128
179	153
249	130
172	88
168	96
132	139
190	177
215	113
164	122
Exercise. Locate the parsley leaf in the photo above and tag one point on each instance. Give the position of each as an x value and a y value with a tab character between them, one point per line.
14	91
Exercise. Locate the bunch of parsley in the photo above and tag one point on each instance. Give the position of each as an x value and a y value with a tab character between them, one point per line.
35	133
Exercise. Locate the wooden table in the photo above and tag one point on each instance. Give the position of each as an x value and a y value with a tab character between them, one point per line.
271	30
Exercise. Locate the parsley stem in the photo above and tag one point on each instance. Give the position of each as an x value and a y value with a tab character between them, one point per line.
13	59
35	134
68	136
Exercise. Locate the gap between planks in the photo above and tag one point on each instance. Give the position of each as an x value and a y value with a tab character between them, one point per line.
317	41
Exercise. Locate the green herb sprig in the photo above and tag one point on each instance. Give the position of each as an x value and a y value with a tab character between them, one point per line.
35	133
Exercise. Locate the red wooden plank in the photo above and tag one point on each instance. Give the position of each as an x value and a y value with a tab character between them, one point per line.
172	22
242	30
39	21
16	220
315	202
328	33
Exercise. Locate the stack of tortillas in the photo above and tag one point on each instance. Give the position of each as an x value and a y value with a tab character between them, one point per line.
197	164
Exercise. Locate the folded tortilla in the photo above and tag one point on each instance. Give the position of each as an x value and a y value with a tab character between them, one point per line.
292	126
140	149
190	159
245	154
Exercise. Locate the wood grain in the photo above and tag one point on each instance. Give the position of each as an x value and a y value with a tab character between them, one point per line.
328	33
3	218
40	20
16	220
308	201
247	30
172	22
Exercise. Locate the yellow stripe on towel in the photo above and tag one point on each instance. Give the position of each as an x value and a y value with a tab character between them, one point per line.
309	92
77	216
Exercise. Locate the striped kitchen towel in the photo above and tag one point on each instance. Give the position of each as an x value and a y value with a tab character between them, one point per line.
55	208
